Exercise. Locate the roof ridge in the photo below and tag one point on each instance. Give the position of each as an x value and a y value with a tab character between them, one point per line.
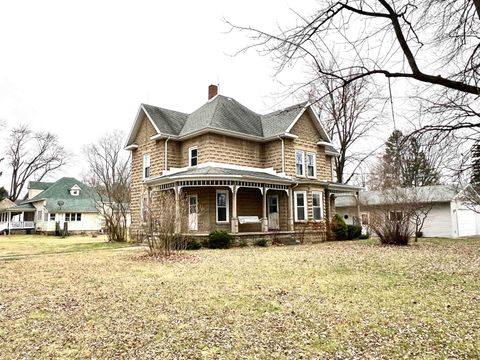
162	108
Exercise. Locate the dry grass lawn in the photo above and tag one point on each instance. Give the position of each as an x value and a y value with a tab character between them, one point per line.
84	298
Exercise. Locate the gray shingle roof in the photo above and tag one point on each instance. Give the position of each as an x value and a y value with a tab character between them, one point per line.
426	194
220	171
167	121
278	122
224	113
60	191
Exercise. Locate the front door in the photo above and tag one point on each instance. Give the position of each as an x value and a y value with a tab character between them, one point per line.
273	217
192	212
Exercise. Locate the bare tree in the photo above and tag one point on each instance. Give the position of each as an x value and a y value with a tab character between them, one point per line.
32	154
348	118
163	220
400	214
109	175
395	40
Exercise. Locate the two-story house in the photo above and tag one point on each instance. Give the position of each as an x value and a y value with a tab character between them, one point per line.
251	174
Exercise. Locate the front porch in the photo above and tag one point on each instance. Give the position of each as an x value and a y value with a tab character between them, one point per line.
240	208
11	220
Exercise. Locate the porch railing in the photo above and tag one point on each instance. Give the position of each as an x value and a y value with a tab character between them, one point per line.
22	225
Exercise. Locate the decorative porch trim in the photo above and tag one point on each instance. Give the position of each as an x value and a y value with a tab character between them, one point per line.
210	183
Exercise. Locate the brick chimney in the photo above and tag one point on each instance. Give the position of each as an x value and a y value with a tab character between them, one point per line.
212	91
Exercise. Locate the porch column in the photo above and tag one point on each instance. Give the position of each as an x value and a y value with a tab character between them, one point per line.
178	221
234	222
290	209
359	214
264	211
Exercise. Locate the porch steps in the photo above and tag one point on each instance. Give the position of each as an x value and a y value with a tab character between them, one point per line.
287	240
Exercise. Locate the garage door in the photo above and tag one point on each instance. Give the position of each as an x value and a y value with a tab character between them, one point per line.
466	222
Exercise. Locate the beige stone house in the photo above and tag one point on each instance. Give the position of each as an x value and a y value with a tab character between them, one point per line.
251	174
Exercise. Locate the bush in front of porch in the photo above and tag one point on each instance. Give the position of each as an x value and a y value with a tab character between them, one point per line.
219	240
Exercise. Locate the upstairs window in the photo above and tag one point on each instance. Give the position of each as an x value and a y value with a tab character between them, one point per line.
300	162
146	166
193	156
311	165
317	206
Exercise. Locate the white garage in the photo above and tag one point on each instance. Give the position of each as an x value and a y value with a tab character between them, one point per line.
449	216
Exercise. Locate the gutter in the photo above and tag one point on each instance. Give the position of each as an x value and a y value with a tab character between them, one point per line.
283	153
166	154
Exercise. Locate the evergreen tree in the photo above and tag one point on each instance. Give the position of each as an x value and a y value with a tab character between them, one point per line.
475	179
405	164
3	193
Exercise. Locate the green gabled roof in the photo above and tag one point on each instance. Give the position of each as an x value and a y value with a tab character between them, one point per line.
39	185
22	207
60	191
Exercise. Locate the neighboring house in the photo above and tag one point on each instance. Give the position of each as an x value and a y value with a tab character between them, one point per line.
4	214
47	203
449	216
250	174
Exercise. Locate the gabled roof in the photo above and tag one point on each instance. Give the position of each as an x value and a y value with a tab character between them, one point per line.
60	192
6	203
39	185
224	115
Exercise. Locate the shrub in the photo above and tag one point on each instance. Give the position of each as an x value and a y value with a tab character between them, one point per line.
354	231
339	228
419	234
242	243
392	232
219	240
261	242
193	244
364	236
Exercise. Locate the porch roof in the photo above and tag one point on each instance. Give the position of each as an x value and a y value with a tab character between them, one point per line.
214	172
22	207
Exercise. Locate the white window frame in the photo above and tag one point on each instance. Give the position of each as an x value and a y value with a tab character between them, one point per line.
146	164
227	206
320	206
314	165
303	162
190	149
305	205
50	215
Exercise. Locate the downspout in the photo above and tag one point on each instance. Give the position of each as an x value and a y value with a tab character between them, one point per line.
166	153
283	153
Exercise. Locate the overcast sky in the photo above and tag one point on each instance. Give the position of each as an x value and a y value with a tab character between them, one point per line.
80	69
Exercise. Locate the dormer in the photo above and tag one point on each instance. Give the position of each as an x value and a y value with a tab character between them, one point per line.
75	190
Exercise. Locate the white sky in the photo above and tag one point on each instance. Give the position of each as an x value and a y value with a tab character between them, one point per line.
80	69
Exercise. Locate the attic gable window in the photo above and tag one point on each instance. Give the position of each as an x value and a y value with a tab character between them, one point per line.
75	190
300	162
146	166
193	156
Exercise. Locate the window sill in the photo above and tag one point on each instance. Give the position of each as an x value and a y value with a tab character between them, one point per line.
222	222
